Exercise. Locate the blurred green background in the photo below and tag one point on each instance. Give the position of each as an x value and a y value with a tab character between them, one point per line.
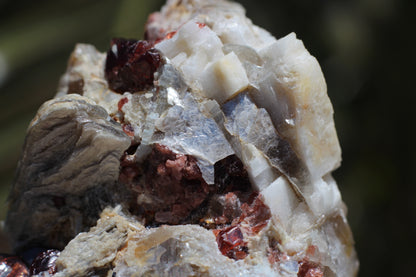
365	48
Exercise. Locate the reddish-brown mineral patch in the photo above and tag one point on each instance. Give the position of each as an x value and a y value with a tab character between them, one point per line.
171	186
45	262
131	64
170	190
123	101
128	129
12	266
309	269
130	170
223	209
231	189
274	254
231	242
170	35
76	86
255	215
231	176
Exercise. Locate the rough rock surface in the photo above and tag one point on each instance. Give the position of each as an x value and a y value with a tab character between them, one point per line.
67	172
205	150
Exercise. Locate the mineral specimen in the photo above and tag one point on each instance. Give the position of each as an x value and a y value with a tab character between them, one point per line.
204	150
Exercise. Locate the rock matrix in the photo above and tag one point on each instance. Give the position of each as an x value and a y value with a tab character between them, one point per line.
205	149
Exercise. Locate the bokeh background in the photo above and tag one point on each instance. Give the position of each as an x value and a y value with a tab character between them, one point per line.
365	48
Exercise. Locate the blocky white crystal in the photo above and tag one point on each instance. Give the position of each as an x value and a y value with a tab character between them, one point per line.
191	50
224	78
296	84
282	201
258	167
299	78
189	132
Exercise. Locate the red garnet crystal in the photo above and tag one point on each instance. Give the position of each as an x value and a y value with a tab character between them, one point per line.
130	65
45	261
309	269
11	266
255	216
231	243
173	186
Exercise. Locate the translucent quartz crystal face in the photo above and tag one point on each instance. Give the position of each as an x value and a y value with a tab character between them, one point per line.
204	150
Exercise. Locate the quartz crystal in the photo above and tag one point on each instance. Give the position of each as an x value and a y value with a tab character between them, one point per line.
205	149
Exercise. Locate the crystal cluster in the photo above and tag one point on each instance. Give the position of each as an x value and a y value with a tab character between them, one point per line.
204	150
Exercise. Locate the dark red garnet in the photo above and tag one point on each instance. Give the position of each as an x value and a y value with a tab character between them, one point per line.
231	243
131	64
309	269
45	261
12	266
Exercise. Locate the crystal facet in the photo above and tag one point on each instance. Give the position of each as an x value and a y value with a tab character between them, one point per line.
130	65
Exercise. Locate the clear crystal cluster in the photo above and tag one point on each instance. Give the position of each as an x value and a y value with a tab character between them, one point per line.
204	150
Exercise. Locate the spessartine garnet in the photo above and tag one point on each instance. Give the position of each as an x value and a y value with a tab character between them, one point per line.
12	266
130	65
45	262
231	243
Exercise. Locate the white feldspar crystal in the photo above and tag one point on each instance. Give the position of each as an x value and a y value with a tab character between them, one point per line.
192	49
258	167
281	200
299	79
224	78
188	131
226	93
295	95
